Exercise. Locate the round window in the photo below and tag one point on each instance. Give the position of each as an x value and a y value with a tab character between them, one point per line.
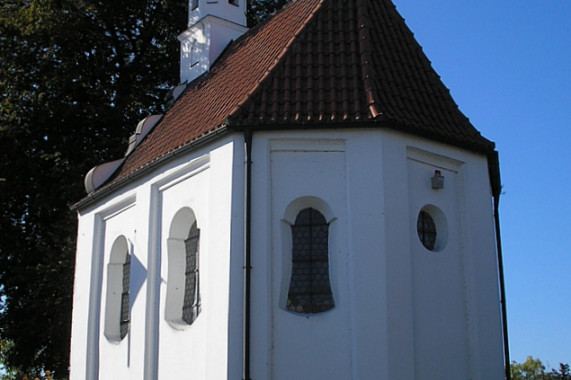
432	228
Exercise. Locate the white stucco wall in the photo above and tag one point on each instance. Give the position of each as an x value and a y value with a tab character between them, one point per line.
211	28
401	311
143	213
443	306
235	13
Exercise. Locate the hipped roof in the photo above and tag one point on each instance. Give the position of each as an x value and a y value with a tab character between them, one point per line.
315	64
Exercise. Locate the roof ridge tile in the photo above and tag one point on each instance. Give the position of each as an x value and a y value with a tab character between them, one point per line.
366	60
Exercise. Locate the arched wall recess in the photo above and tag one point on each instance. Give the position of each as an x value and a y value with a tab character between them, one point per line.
183	298
306	286
117	306
301	203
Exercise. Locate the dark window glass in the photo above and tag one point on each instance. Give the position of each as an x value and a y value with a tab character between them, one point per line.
194	4
233	2
125	310
310	289
191	303
426	230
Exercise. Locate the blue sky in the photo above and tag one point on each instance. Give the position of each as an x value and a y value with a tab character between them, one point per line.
508	66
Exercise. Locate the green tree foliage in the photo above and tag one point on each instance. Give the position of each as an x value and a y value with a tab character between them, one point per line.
75	78
533	369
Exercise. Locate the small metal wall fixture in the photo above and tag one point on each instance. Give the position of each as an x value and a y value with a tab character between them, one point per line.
437	180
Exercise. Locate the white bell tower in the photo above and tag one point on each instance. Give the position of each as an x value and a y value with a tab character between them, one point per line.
212	24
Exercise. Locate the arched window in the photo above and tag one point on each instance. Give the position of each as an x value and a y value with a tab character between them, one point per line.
191	301
310	288
117	302
183	281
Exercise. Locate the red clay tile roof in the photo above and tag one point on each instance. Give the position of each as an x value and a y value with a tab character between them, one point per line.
315	64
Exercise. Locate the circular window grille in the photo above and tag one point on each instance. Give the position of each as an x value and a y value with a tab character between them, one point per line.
426	229
432	228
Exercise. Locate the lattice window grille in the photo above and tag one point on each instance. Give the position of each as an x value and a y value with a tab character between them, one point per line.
125	306
310	287
191	302
426	229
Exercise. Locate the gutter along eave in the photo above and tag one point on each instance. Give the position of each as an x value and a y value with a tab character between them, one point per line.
113	186
485	147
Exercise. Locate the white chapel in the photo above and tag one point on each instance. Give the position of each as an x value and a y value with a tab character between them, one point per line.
312	206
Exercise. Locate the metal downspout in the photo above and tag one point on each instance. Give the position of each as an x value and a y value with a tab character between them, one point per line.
502	287
495	181
247	256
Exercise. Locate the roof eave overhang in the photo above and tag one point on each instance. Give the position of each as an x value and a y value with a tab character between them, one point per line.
113	186
484	147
